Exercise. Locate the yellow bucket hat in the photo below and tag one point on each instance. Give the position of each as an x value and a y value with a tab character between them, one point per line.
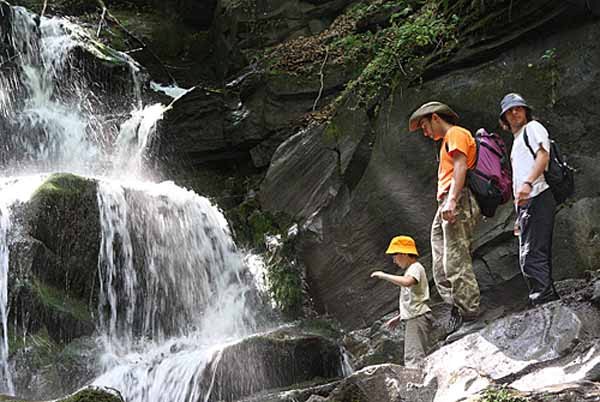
403	245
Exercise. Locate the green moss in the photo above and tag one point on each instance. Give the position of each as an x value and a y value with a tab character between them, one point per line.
399	48
58	301
284	279
61	184
251	223
41	349
92	395
332	132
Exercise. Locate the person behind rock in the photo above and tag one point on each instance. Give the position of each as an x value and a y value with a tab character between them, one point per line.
414	295
457	213
534	201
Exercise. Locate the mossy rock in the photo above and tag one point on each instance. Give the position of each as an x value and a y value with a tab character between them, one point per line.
44	368
93	395
63	216
84	395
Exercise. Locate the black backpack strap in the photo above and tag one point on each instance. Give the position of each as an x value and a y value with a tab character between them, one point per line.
527	142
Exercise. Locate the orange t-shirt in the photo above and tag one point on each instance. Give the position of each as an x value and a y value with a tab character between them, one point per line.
457	139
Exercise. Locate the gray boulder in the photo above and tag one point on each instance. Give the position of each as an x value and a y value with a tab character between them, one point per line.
514	348
273	360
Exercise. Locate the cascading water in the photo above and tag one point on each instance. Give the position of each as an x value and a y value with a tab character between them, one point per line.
12	190
162	331
172	287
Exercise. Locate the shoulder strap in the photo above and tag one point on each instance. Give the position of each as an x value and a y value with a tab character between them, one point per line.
527	142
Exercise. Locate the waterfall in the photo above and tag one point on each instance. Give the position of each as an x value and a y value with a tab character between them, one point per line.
187	302
173	288
6	385
56	118
134	135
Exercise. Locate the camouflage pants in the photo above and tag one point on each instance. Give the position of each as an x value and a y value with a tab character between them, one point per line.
451	255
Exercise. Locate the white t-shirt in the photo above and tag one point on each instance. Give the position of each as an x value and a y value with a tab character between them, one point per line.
523	161
413	300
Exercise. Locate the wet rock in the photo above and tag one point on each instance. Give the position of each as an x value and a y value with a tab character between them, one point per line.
299	393
274	360
44	369
93	394
386	382
376	345
63	216
54	259
88	394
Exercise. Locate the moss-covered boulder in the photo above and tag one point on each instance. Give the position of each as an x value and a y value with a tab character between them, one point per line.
93	394
63	215
54	261
43	368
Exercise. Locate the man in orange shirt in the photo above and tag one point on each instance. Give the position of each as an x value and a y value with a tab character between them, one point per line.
457	213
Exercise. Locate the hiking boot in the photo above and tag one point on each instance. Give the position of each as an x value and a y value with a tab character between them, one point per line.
538	298
456	320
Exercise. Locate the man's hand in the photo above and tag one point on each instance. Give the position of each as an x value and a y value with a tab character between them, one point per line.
377	274
393	323
522	195
449	210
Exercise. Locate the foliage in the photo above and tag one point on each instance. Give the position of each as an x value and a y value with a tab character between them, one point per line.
399	46
252	224
550	58
501	394
284	279
377	43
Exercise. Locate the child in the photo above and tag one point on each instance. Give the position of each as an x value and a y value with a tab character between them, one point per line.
414	294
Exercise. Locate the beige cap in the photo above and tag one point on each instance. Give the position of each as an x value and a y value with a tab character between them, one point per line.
427	109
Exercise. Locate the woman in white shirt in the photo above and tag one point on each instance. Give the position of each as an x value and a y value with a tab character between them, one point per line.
534	201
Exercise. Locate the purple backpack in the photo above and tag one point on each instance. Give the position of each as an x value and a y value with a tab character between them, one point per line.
490	179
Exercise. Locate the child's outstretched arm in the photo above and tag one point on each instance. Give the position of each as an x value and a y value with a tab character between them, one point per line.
398	280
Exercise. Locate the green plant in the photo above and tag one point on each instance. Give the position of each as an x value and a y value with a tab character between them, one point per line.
399	46
550	58
501	394
285	282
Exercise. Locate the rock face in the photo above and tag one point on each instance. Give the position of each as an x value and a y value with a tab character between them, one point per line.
395	193
247	24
